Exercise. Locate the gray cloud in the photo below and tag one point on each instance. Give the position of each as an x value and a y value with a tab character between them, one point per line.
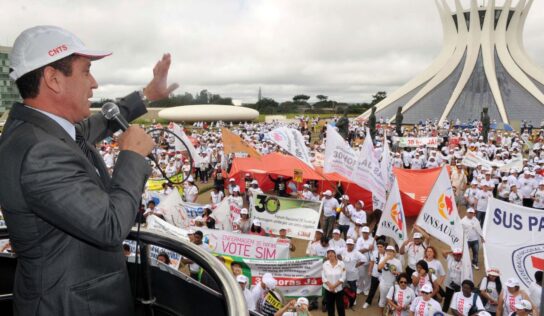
346	49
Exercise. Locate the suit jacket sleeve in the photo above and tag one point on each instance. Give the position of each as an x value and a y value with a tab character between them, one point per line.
58	188
96	127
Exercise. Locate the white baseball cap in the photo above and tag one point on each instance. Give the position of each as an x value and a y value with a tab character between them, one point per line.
336	231
417	235
391	248
350	242
327	193
512	282
426	288
302	301
241	278
524	304
365	229
257	222
41	45
244	211
470	210
345	197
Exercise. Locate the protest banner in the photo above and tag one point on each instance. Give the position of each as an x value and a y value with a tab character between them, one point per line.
439	217
368	174
296	277
174	212
386	165
225	213
232	143
514	240
339	156
245	246
416	141
472	160
156	184
299	217
154	251
292	141
155	223
178	131
192	210
393	220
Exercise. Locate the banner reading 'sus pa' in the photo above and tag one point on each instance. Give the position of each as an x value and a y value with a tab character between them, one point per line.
299	217
514	240
245	246
296	277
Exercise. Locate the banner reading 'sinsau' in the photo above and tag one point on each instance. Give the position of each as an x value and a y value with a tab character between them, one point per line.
298	217
296	277
245	246
514	240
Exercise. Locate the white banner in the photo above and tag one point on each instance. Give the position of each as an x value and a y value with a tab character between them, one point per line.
225	213
244	245
299	217
393	221
174	211
291	140
339	156
178	130
386	165
440	218
175	258
296	277
472	160
368	173
416	141
155	223
514	240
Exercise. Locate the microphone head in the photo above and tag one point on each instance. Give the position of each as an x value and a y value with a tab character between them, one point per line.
110	110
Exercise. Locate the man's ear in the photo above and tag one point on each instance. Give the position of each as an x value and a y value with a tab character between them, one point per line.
52	80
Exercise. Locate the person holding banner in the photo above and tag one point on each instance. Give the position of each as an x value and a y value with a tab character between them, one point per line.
415	249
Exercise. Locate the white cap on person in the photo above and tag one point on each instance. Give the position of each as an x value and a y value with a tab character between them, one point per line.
327	193
269	281
365	229
336	231
417	236
257	222
524	304
42	45
244	211
471	210
512	282
427	288
241	278
350	242
391	248
302	301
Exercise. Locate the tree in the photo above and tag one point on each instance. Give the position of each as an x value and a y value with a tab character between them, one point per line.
266	106
301	98
321	97
376	98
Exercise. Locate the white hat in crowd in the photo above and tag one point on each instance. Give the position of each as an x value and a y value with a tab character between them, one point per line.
417	235
391	248
365	229
241	279
42	45
269	281
426	288
524	304
493	271
470	210
327	193
244	211
257	222
302	301
350	242
336	231
512	282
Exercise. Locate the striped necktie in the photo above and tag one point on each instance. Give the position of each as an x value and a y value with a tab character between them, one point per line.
86	149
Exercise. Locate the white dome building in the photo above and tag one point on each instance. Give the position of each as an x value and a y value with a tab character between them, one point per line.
208	112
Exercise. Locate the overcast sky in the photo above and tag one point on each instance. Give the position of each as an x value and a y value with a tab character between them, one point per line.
345	49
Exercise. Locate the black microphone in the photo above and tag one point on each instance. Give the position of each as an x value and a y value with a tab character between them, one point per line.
111	111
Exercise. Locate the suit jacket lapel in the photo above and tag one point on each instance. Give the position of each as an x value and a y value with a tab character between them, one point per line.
22	113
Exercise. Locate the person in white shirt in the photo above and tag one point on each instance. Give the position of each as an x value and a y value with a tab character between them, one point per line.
524	308
216	196
352	259
233	186
535	291
503	190
261	289
317	238
400	296
482	198
365	245
243	280
374	272
510	296
330	204
490	287
527	185
346	211
470	194
538	196
190	190
415	250
514	197
473	234
422	276
358	213
297	307
424	304
336	242
454	278
417	162
306	193
236	198
463	300
333	277
391	268
252	192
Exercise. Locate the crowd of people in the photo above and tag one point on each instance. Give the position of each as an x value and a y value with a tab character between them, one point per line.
409	279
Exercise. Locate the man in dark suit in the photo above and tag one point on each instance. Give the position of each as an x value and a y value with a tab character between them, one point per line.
66	216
